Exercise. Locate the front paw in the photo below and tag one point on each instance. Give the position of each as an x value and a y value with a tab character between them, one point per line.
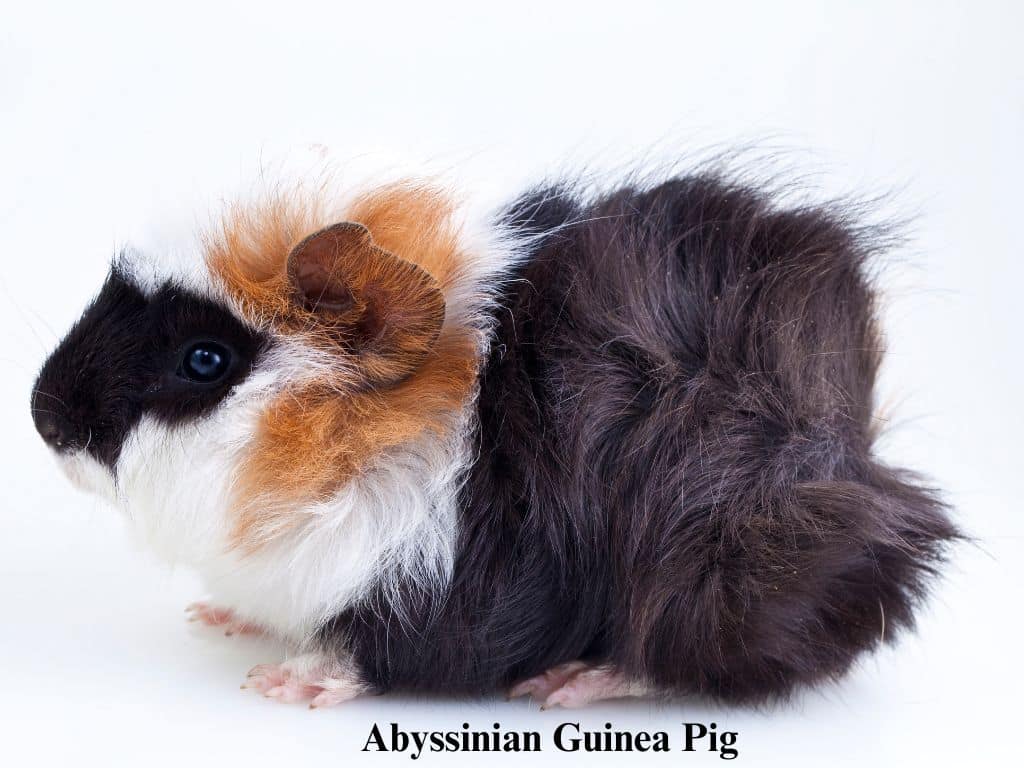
312	677
222	618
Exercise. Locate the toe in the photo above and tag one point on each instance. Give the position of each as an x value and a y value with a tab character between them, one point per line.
265	677
527	687
293	691
329	699
542	686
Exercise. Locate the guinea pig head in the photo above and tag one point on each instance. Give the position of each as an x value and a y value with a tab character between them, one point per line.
298	372
170	356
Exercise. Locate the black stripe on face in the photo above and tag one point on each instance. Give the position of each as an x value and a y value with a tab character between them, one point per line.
173	355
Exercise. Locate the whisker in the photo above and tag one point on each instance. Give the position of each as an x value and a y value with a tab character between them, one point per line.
24	317
38	391
44	410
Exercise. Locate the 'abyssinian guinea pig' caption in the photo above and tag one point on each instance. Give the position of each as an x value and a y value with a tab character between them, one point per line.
601	444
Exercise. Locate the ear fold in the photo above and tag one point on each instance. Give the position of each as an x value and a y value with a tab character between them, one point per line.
387	308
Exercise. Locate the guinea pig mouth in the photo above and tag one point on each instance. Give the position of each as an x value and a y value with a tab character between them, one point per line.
87	474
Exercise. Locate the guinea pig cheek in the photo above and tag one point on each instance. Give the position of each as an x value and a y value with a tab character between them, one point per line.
175	481
312	444
87	474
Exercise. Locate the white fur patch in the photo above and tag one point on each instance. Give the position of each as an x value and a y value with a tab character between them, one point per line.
87	474
169	262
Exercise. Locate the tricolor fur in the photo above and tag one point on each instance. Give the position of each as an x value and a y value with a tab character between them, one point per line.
633	429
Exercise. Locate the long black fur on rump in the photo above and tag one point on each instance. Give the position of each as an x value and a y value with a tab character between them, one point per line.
675	470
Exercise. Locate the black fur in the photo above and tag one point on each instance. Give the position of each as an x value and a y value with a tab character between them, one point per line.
675	470
121	360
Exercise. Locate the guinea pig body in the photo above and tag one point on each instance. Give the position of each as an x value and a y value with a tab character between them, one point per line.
607	446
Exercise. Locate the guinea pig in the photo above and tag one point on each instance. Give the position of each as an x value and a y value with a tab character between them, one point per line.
605	444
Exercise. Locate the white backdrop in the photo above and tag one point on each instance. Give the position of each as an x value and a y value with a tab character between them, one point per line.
115	118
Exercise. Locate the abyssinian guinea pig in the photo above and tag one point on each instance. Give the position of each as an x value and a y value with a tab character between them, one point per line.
608	444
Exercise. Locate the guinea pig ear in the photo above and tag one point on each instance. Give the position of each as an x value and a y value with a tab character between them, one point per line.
388	309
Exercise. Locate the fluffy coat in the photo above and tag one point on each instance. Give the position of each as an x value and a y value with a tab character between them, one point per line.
662	463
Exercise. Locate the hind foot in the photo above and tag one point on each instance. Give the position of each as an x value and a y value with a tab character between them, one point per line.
311	677
576	684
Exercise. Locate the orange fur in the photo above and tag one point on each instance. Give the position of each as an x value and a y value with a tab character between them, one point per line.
414	222
313	440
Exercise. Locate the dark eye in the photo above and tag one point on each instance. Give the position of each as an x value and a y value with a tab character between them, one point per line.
205	362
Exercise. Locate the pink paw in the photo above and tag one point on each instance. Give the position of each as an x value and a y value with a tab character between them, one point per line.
212	616
576	684
310	677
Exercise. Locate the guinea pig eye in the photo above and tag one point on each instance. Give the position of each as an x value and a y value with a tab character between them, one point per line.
205	362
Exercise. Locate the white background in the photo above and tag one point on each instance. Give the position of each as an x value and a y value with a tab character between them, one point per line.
111	116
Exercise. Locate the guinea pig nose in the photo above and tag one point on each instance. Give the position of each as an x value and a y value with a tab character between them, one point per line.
55	430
